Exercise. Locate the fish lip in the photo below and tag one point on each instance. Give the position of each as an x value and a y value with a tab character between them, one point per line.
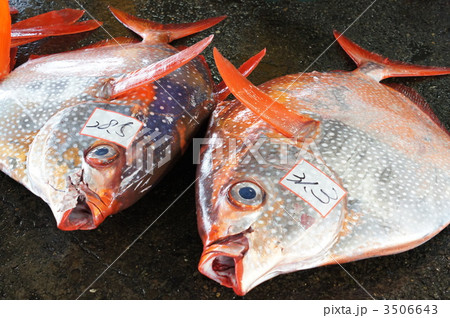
226	254
82	217
88	212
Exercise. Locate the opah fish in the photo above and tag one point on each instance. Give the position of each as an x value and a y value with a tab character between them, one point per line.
318	169
91	131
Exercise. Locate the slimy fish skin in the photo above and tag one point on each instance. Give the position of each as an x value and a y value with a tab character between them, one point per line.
378	143
47	101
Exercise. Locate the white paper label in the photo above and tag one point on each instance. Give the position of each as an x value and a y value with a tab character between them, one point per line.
112	126
314	187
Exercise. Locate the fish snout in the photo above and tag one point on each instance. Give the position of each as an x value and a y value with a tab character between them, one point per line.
90	211
81	217
222	261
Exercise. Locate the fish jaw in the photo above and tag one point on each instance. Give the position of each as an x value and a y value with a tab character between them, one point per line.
90	210
83	217
222	262
234	263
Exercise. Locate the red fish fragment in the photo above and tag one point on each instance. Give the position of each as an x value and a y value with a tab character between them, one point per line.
13	10
61	22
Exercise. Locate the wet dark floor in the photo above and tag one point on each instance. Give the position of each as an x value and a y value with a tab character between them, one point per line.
39	261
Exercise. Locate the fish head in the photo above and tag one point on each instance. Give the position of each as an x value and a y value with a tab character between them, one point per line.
82	178
252	227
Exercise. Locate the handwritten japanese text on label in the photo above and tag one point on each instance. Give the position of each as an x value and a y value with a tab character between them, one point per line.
112	126
314	187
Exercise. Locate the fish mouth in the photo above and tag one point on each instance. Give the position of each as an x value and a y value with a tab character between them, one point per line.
222	261
81	217
90	210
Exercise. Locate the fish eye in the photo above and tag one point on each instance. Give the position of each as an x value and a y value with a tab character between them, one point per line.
101	155
246	194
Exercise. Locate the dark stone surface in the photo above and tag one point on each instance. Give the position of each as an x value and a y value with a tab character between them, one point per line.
39	261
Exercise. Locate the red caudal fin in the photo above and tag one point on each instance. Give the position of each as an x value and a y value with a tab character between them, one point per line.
61	22
379	67
286	121
156	70
5	38
222	91
154	32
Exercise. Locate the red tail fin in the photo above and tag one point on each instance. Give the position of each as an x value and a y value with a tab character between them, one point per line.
157	70
387	68
162	33
5	37
52	23
222	91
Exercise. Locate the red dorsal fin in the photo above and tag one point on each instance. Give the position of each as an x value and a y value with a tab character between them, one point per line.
5	38
286	121
384	68
61	22
157	70
222	91
154	32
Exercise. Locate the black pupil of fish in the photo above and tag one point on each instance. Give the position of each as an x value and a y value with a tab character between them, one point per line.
101	151
247	193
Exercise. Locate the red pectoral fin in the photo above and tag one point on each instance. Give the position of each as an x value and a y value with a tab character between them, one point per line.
286	121
5	38
157	70
385	67
162	33
222	91
52	23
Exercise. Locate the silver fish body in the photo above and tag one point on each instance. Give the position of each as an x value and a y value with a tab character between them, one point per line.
47	101
389	156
